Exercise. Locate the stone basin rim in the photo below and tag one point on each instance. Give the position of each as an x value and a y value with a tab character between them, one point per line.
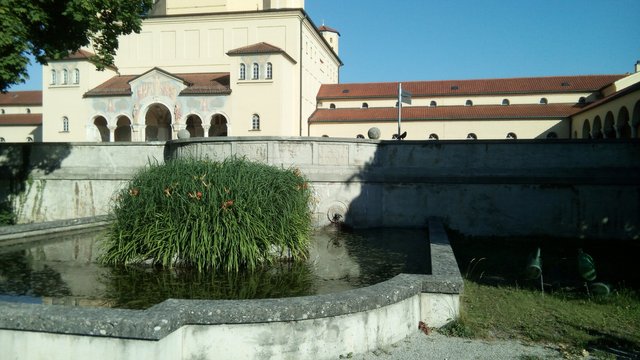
164	318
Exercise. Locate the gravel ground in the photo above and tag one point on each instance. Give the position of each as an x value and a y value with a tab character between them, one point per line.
437	346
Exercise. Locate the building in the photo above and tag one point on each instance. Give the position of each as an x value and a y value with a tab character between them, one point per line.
21	116
596	106
212	67
263	68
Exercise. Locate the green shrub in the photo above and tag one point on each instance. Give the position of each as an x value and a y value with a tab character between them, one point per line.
226	215
7	217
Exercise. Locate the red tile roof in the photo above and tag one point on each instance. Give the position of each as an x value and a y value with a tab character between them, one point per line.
418	113
21	119
326	28
197	83
259	48
553	84
17	98
82	55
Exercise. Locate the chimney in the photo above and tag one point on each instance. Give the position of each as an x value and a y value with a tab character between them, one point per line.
638	66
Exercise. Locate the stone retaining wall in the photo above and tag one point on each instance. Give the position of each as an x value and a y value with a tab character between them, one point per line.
519	188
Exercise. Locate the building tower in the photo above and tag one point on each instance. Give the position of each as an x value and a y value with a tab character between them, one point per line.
332	36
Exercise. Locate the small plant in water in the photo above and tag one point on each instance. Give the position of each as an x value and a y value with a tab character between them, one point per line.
228	215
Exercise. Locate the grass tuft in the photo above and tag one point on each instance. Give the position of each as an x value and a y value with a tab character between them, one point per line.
228	216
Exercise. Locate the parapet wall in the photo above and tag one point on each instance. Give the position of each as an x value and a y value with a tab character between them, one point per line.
519	188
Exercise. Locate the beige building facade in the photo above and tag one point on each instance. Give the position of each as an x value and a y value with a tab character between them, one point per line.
263	68
518	108
213	68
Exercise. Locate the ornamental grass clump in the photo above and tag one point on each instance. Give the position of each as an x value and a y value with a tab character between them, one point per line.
228	216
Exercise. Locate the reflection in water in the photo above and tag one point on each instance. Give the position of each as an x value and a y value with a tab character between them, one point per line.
66	272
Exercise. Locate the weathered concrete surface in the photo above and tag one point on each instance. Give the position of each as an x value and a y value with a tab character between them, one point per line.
525	187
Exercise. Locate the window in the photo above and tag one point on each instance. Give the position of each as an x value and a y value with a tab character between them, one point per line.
65	76
544	101
512	136
76	76
53	77
433	104
65	124
243	72
255	122
472	136
256	71
2	111
2	139
582	100
359	136
28	111
505	102
365	105
332	106
269	71
29	139
433	136
552	135
468	103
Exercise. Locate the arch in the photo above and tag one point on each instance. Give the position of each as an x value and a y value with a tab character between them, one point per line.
544	101
269	74
65	77
158	120
506	102
472	136
219	125
582	100
194	126
512	136
596	130
434	136
243	72
76	76
468	103
65	124
123	129
359	136
256	71
2	111
552	135
586	129
433	103
635	121
54	77
255	122
2	139
622	124
28	111
609	129
101	125
332	106
365	105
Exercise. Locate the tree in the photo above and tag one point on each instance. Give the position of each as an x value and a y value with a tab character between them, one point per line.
51	29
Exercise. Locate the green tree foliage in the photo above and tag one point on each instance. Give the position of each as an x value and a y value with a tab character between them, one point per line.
228	216
50	29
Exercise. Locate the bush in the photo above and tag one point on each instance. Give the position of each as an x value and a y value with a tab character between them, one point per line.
224	216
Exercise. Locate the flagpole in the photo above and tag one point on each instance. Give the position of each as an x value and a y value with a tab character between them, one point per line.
399	108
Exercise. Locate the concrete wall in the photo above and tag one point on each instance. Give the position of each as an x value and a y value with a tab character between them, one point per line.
535	188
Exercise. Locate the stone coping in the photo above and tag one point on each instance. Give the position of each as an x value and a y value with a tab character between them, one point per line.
161	320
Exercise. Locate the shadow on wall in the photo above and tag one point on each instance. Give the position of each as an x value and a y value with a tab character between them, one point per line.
18	164
562	188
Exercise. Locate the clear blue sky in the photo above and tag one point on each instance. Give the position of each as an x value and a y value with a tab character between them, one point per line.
405	40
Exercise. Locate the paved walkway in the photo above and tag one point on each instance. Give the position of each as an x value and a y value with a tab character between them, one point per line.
437	346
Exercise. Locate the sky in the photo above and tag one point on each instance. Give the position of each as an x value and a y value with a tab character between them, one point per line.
404	40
